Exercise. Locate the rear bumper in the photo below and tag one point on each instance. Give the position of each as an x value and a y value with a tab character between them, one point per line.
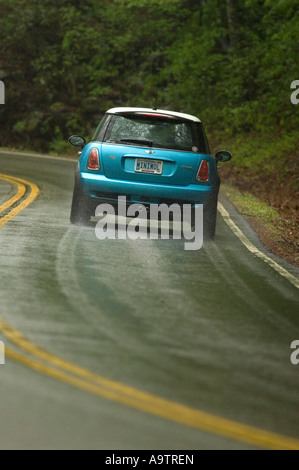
107	190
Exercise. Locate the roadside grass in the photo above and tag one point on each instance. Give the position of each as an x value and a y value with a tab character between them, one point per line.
250	206
262	181
274	230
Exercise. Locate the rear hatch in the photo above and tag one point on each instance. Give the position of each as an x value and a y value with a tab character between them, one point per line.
156	166
150	147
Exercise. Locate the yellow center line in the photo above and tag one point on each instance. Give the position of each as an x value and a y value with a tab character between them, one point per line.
20	193
16	210
84	379
46	363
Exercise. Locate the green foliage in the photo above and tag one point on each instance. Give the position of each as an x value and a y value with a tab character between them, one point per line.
229	62
267	153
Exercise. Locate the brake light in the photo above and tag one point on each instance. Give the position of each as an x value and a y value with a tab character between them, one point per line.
93	162
203	172
164	116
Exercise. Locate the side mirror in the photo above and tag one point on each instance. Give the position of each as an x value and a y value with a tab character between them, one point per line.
223	156
77	140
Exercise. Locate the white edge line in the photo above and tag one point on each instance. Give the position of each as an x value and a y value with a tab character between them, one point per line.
253	249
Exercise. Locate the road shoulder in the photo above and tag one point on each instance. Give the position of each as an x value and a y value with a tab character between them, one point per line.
253	236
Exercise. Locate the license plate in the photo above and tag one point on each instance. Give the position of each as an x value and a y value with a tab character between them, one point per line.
148	166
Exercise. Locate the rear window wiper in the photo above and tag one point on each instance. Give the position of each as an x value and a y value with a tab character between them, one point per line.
149	143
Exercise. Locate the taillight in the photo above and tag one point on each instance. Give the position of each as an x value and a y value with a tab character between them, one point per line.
203	172
93	162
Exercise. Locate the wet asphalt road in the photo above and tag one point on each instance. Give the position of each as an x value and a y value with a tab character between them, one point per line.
209	330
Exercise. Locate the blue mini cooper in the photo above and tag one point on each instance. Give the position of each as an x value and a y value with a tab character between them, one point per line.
150	156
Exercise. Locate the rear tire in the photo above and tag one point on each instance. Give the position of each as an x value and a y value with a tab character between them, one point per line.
82	208
209	220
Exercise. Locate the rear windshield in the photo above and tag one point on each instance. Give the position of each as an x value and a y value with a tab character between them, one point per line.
152	131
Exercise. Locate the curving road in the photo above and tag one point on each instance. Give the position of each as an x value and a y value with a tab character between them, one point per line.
123	344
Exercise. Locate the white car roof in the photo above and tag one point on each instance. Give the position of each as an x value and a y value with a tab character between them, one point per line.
153	111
